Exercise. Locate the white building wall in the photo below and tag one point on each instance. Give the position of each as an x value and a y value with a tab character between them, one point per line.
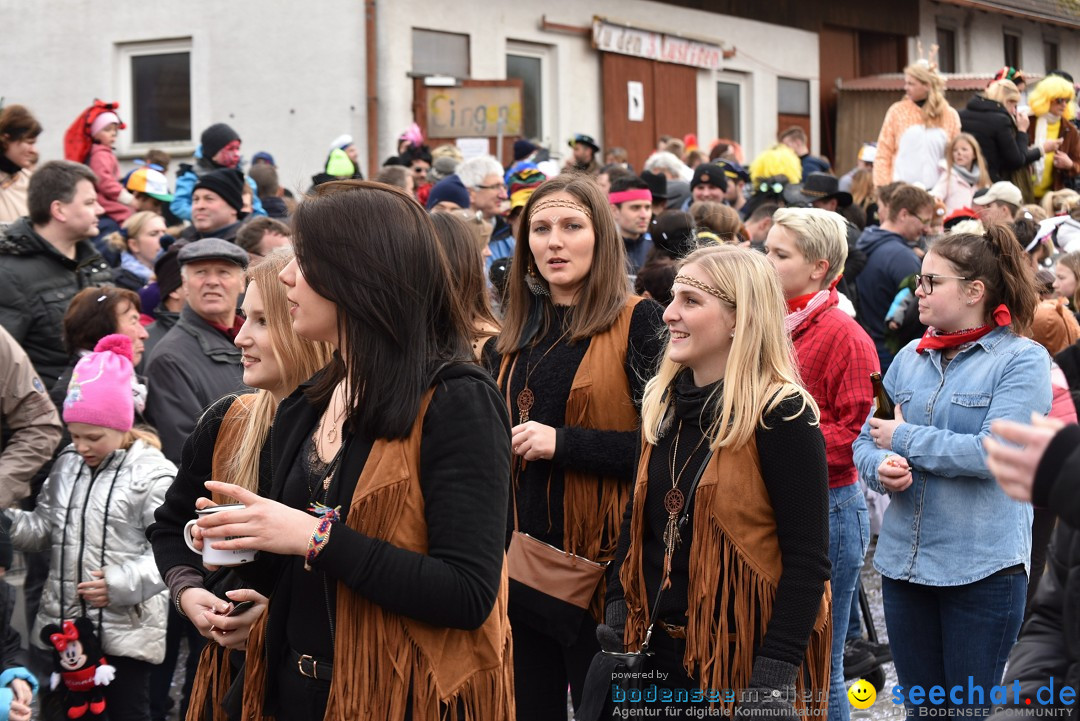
980	39
290	77
763	53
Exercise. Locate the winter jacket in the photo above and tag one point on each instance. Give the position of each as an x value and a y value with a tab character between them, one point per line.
228	232
12	657
13	192
37	283
29	424
166	319
112	195
501	242
1070	145
814	164
71	518
1048	650
190	368
1004	148
188	176
953	190
889	261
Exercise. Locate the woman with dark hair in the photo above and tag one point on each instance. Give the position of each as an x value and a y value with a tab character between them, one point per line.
19	131
576	351
93	314
463	248
954	549
381	538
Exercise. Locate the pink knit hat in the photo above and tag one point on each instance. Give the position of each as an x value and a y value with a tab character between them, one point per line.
100	390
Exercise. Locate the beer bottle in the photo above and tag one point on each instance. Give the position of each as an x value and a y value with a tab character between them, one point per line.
883	407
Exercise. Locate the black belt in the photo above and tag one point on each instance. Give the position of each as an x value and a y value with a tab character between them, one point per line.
311	667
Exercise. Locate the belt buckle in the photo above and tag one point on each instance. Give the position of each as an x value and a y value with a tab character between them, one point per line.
300	666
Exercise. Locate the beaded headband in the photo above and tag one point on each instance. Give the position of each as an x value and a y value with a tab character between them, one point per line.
559	203
715	293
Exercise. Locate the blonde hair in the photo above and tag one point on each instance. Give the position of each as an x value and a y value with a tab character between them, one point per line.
141	433
819	235
297	358
935	107
760	373
1002	91
133	228
1060	202
980	161
1049	88
862	188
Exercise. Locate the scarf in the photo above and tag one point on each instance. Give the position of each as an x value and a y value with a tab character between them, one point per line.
132	265
970	175
7	166
1039	166
802	307
934	339
230	333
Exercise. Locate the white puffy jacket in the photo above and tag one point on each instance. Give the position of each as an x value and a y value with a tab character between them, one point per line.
70	515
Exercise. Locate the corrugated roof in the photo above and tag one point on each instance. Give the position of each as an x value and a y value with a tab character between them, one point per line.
895	81
1057	12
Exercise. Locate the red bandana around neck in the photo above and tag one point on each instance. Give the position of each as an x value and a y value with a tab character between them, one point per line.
934	339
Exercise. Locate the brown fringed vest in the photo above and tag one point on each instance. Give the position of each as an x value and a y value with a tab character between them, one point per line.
600	399
378	654
212	679
734	553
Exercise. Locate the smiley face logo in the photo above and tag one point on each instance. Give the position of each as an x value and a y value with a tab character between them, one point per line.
862	694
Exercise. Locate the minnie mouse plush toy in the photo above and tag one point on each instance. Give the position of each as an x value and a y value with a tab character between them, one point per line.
82	666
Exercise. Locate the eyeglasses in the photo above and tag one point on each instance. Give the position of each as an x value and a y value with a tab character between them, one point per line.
493	186
926	281
775	188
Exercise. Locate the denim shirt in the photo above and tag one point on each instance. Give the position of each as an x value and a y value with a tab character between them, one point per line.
954	525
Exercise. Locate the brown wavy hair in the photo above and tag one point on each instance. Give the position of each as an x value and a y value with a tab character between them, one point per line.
606	288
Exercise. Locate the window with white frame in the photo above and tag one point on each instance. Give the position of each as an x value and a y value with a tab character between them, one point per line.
155	94
532	64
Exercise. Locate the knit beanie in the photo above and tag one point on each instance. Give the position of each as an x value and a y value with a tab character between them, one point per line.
216	137
102	121
100	390
450	188
339	165
226	182
167	270
340	143
443	167
523	149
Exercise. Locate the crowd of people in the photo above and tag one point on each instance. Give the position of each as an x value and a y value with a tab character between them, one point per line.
475	440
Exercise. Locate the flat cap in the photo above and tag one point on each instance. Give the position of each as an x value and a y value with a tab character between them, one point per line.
213	249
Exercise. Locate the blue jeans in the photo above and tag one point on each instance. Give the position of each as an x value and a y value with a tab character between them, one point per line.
849	536
941	635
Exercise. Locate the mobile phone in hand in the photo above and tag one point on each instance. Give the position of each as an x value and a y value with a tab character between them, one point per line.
240	608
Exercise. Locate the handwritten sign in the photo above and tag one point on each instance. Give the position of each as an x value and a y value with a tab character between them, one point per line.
471	112
612	38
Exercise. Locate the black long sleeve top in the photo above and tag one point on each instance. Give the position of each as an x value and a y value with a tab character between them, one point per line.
611	453
464	464
794	468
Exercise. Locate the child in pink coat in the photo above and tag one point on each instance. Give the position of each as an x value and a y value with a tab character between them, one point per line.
112	195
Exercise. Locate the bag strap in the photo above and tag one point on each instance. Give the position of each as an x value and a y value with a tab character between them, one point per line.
515	464
683	518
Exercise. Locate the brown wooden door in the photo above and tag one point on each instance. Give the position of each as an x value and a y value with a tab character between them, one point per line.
838	58
670	95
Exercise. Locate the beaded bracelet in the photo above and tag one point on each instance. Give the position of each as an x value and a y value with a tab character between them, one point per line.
318	540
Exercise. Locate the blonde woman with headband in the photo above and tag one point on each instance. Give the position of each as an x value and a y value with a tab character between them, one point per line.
231	444
1052	109
746	600
916	129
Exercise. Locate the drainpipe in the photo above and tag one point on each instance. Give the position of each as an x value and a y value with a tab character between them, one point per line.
371	66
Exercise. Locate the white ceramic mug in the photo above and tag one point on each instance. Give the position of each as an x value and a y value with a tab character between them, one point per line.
214	556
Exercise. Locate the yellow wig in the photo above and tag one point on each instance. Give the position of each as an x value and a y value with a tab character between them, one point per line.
777	160
1049	88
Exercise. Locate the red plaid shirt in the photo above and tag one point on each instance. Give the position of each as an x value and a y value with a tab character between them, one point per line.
836	358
